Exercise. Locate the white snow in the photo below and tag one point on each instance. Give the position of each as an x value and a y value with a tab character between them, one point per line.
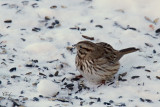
47	88
42	54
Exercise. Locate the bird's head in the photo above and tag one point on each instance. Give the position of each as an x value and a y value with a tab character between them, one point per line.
84	47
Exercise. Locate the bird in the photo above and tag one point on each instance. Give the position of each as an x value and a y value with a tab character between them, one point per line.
98	62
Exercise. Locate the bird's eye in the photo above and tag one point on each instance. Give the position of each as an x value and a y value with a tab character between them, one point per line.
80	46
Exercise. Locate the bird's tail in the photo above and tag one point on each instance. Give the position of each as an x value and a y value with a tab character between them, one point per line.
126	51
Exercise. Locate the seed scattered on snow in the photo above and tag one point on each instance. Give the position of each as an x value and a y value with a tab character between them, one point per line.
149	44
90	103
15	76
51	75
53	7
8	21
87	37
158	77
154	51
13	69
139	67
47	18
70	86
148	100
83	29
35	5
56	73
100	26
35	99
106	103
134	77
57	22
158	30
35	29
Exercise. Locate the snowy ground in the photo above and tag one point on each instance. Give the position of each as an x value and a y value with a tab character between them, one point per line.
35	36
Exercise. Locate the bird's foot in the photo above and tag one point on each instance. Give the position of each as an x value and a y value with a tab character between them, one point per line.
79	76
103	82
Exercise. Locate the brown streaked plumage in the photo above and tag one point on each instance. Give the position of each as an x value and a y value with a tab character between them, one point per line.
98	62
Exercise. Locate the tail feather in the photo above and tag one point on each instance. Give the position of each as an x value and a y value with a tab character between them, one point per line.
126	51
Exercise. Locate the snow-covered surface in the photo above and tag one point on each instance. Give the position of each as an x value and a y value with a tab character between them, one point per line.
47	88
31	50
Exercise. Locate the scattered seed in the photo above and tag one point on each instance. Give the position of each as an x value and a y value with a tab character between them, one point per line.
15	103
42	74
120	104
56	73
91	21
75	79
134	77
35	29
50	75
158	77
57	21
139	67
120	97
29	65
23	39
111	101
70	86
154	51
90	103
62	100
9	83
148	19
47	18
50	27
74	28
29	73
100	26
63	79
149	77
131	28
35	5
8	21
83	29
35	61
87	37
53	7
141	99
156	20
147	70
124	74
41	96
121	79
14	76
158	30
148	100
110	83
35	99
98	99
106	103
22	92
148	44
13	69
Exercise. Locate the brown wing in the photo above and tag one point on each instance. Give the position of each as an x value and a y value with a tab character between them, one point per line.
110	54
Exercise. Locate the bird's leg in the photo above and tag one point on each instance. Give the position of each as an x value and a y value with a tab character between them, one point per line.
79	76
103	82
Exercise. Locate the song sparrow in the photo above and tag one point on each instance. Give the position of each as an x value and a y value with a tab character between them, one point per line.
98	62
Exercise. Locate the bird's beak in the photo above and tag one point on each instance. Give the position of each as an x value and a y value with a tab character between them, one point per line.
74	46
